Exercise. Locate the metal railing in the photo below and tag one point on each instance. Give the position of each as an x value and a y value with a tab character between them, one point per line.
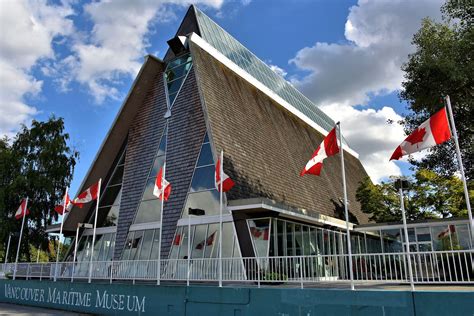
440	267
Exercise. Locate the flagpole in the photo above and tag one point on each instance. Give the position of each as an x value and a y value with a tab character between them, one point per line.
346	211
38	254
221	169
189	248
60	234
95	227
8	248
405	229
75	252
161	221
21	234
461	168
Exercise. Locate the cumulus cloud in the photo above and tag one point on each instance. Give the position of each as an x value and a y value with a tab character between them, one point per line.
342	75
117	42
28	30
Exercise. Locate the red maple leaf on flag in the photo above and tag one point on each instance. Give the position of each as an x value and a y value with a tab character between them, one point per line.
417	136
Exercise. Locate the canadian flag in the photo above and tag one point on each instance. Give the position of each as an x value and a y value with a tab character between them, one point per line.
209	241
327	148
87	196
22	210
448	231
260	232
162	189
432	132
59	208
177	240
227	184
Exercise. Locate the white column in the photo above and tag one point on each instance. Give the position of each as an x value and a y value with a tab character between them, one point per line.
221	169
461	168
346	211
60	234
407	241
95	227
19	241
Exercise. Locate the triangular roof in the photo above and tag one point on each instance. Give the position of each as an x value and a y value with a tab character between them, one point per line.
115	138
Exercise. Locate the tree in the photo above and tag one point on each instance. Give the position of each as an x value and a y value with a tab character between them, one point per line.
38	163
428	195
443	64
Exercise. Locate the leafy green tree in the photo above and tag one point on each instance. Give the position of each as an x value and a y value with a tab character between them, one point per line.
428	195
37	163
442	196
443	64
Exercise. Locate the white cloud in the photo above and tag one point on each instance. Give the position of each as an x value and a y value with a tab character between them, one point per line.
342	75
118	41
28	29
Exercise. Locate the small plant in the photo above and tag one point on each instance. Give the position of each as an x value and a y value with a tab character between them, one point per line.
274	276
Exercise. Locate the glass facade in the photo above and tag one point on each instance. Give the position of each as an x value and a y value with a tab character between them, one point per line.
202	193
149	209
110	198
175	74
142	245
240	55
441	237
204	242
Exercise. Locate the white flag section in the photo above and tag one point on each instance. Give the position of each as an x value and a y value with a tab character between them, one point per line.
431	132
22	210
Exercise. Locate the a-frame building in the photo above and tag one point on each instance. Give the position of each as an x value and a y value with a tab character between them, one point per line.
210	93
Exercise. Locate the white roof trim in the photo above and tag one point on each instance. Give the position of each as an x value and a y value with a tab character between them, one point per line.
198	220
323	219
145	226
257	84
100	230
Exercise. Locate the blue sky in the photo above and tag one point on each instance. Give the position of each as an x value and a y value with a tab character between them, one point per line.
77	60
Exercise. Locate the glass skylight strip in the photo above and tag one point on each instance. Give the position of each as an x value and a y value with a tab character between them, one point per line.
236	52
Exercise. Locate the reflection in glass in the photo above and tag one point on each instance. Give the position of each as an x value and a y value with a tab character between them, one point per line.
203	179
148	211
205	200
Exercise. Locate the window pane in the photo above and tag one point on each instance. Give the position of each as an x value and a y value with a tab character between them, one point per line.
148	194
156	245
108	216
201	240
118	174
205	157
157	164
174	86
136	244
178	61
206	139
109	196
148	211
259	231
97	245
172	97
146	245
227	239
203	179
212	241
206	200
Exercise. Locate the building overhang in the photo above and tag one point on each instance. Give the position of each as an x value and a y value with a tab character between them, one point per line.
284	211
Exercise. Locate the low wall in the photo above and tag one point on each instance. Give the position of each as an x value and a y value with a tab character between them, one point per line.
128	299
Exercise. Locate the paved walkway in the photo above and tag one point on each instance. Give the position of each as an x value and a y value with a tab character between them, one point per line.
12	309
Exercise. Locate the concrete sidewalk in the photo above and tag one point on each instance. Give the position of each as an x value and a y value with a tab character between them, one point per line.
12	309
